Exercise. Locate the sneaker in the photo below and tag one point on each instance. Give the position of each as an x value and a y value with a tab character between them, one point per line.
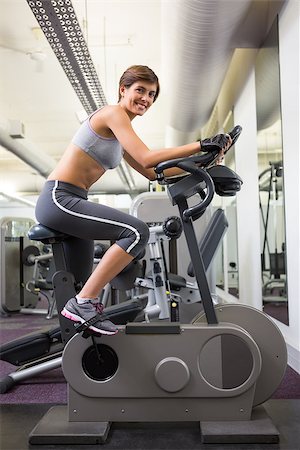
89	312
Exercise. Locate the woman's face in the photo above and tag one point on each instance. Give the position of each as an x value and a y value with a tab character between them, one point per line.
138	98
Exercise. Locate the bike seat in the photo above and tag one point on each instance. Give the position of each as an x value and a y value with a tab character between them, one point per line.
39	232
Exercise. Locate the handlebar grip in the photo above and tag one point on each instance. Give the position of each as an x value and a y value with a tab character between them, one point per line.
235	133
167	164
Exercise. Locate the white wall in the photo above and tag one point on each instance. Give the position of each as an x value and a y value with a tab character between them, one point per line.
248	218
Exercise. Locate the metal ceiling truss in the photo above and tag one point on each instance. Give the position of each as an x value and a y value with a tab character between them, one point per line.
60	25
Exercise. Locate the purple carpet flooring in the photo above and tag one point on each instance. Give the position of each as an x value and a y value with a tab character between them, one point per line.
48	387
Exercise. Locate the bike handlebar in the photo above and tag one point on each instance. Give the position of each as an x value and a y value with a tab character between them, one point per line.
202	160
195	165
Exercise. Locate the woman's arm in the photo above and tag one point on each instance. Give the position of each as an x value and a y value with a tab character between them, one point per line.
119	123
148	173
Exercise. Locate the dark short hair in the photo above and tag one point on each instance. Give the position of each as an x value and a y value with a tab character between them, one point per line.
139	73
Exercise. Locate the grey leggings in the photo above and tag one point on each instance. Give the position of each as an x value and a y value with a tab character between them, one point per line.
64	207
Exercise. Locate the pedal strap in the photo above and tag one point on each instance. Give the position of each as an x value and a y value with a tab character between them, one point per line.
85	326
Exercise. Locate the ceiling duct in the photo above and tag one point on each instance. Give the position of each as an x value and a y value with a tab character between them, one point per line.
201	37
43	164
267	81
200	56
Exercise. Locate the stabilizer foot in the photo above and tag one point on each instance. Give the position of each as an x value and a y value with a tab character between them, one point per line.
54	428
259	430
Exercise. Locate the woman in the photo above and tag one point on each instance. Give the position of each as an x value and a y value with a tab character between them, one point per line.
100	143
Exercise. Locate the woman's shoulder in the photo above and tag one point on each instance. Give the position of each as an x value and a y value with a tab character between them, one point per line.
110	117
108	110
112	114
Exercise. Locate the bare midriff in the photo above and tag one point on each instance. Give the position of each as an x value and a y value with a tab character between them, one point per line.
78	168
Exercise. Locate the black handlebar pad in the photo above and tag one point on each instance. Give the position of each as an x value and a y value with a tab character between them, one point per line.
203	160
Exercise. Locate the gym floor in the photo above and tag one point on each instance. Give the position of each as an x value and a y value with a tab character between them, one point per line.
17	421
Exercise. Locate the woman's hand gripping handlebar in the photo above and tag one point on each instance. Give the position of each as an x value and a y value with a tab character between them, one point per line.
204	160
194	165
215	145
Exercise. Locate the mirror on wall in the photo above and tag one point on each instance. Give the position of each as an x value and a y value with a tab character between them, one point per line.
271	178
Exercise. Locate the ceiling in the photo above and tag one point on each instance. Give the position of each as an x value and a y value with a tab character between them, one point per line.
188	43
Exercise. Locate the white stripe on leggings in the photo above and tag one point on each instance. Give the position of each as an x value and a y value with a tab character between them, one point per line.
97	219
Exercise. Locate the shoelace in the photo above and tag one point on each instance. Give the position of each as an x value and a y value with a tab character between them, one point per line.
99	307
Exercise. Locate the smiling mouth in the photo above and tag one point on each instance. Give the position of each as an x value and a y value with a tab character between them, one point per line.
139	105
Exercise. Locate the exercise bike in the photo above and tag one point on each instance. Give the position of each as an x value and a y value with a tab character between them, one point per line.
215	370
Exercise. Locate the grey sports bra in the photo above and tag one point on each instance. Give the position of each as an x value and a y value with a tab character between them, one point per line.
108	152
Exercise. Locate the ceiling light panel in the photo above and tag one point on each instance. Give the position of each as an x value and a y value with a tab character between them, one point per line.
59	23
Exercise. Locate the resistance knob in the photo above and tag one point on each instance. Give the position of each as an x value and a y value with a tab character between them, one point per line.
172	227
